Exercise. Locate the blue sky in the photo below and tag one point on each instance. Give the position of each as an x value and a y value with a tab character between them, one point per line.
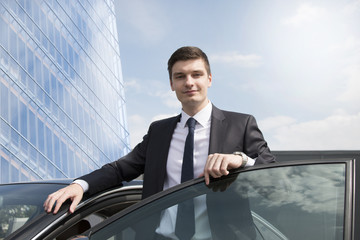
294	65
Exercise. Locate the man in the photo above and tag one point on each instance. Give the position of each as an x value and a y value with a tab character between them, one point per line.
222	140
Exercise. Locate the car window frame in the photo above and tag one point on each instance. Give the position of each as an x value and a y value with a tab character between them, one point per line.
354	202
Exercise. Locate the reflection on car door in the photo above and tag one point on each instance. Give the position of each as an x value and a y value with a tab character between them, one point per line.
280	201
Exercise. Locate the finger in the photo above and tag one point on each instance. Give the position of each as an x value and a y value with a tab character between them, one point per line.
216	169
46	203
49	205
208	166
50	201
224	167
207	179
59	203
74	204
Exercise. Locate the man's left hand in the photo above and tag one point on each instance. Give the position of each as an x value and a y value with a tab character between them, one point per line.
218	165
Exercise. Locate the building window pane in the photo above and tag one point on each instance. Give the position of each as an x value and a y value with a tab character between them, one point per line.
14	174
23	119
49	144
4	33
14	112
13	44
4	102
4	170
32	129
64	158
30	61
41	143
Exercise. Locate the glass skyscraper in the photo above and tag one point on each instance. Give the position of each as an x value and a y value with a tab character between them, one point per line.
62	106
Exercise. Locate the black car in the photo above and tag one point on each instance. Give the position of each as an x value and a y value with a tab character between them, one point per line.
289	200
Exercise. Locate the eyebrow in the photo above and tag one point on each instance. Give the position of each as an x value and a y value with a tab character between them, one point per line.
195	71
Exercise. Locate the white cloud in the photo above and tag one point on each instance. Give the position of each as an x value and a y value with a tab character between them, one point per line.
352	7
275	122
138	126
169	99
340	131
234	58
145	17
348	53
159	90
352	86
351	46
132	83
163	116
306	13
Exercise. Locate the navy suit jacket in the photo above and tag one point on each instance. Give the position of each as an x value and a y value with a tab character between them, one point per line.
229	132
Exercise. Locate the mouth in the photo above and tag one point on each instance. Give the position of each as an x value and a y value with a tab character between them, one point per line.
190	92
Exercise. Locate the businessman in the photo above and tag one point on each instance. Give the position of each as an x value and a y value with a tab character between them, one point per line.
222	140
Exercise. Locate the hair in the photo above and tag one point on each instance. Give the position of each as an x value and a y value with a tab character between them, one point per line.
188	53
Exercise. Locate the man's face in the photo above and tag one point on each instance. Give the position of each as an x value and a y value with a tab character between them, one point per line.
190	81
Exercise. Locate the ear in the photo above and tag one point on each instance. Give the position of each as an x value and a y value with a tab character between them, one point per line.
171	85
210	80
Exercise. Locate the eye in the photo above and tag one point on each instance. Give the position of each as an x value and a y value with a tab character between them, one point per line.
197	75
179	76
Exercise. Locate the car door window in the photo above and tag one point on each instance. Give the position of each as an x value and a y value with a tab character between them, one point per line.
284	202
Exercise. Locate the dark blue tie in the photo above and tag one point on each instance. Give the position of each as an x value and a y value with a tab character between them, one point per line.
187	171
185	221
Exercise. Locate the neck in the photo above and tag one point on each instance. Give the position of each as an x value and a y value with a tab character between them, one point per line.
194	109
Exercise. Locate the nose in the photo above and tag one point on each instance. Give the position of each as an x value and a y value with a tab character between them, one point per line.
189	80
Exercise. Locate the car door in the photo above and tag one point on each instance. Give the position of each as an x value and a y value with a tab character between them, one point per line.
294	200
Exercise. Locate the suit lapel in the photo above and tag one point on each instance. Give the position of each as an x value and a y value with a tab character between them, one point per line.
218	130
164	147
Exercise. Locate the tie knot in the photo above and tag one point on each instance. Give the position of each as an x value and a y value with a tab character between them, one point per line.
191	123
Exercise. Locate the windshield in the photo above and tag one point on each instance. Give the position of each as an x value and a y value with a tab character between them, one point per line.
20	203
288	202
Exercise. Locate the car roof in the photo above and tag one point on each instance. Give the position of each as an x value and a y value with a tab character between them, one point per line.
50	181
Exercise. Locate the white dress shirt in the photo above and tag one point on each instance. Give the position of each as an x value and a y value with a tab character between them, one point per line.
177	144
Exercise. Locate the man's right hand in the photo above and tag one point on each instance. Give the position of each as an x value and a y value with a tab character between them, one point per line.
74	192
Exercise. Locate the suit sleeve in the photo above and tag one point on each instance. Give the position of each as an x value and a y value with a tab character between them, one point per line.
255	145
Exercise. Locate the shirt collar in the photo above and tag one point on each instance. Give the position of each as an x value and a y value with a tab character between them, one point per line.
201	117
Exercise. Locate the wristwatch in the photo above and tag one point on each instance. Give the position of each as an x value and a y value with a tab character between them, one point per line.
244	158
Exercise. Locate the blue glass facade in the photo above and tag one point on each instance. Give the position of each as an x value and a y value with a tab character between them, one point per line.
62	109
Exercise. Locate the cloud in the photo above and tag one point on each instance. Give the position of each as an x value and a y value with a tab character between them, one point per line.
276	122
337	132
159	90
349	58
132	84
139	126
352	7
234	58
145	17
352	85
163	116
169	99
137	129
305	14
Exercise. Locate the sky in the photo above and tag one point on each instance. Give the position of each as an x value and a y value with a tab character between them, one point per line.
294	65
